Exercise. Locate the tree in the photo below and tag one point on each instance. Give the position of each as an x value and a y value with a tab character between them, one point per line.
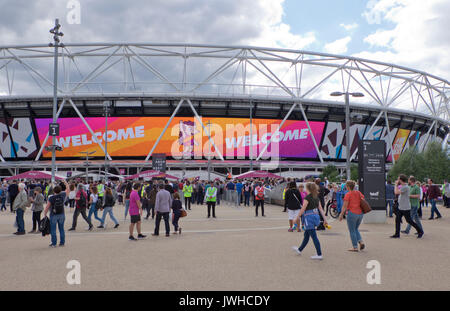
330	172
354	172
433	163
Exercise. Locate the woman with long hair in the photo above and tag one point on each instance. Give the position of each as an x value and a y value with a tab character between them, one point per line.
93	198
108	208
293	201
310	212
128	189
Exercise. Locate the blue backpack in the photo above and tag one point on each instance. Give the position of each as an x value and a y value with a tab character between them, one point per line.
311	219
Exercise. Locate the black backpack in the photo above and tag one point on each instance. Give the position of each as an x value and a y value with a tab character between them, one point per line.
58	204
44	226
82	200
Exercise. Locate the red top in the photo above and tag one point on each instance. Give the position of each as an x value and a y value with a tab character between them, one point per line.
354	201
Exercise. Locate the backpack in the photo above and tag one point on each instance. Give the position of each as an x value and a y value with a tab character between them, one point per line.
44	226
260	193
247	188
58	204
82	201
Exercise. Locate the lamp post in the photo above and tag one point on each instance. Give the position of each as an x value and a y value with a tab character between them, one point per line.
347	124
56	44
106	111
209	151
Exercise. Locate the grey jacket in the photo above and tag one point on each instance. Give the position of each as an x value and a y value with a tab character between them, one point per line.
38	204
163	201
21	201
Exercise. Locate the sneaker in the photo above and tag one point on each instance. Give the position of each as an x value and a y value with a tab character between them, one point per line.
290	230
394	236
52	246
167	234
438	217
430	218
61	245
101	227
317	257
71	229
295	249
132	238
141	236
116	226
90	227
420	235
154	234
32	231
404	232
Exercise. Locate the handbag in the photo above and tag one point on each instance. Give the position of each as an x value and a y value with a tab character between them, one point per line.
183	213
365	207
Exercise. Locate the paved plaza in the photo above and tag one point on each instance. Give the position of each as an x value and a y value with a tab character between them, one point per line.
236	251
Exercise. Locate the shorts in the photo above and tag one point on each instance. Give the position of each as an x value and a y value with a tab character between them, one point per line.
292	213
135	219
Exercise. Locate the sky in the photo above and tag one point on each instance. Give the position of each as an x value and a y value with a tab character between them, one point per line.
412	33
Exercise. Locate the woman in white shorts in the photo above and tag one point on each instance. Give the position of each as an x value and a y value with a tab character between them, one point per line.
293	203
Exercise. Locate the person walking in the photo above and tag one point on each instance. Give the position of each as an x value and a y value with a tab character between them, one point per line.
404	206
419	210
352	203
310	212
176	212
55	205
414	197
187	192
72	195
13	191
3	196
163	203
135	214
20	205
128	189
108	208
259	198
294	203
37	207
433	195
390	196
81	202
247	193
94	203
211	196
239	187
151	194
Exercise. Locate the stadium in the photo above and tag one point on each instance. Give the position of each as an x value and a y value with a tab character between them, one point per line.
255	107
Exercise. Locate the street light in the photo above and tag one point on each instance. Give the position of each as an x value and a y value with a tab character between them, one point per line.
56	34
347	124
106	111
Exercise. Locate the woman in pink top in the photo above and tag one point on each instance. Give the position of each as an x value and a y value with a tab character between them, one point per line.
303	193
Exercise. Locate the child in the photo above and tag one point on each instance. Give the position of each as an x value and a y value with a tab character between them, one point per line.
176	208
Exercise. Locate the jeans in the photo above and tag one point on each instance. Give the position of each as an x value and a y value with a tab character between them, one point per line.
77	212
36	219
434	209
54	220
176	217
353	222
218	198
390	204
94	211
258	203
246	198
407	215
19	219
200	198
160	215
150	207
108	210
127	207
415	218
313	234
238	198
3	204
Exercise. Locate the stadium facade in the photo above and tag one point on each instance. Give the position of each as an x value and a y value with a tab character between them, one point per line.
258	104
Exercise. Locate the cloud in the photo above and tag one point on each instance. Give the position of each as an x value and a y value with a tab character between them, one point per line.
419	37
349	27
339	46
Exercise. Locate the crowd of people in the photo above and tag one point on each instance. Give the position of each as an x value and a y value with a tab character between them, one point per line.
307	204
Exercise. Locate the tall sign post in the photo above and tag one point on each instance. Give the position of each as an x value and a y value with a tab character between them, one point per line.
372	178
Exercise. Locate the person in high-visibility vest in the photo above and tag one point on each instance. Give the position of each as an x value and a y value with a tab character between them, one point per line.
284	199
100	190
211	196
259	198
187	192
